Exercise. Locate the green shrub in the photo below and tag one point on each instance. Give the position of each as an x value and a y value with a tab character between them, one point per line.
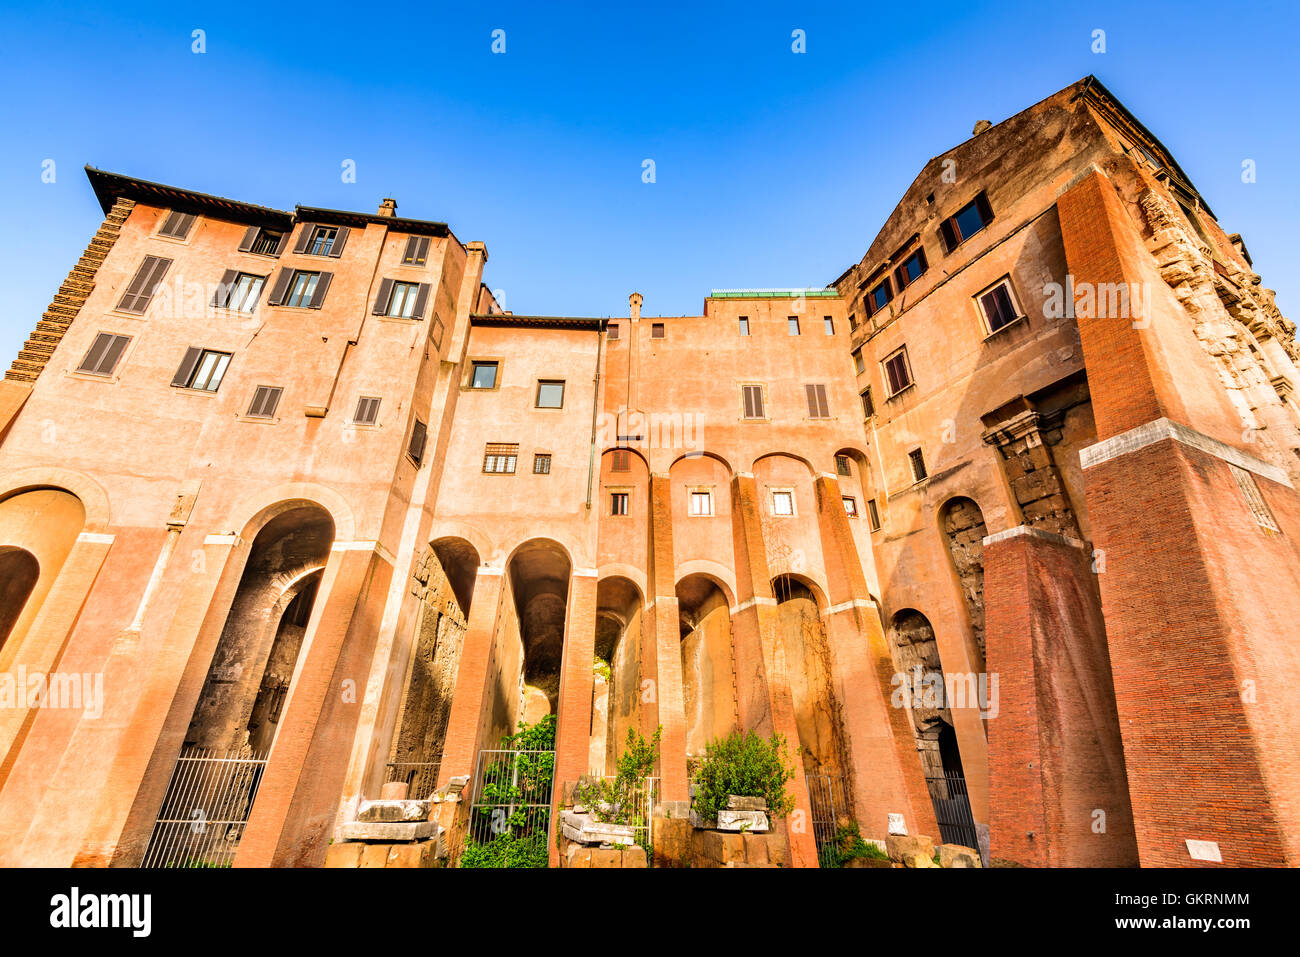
848	845
614	802
506	850
747	766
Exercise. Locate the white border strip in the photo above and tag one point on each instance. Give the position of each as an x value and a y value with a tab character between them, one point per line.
1163	428
1029	531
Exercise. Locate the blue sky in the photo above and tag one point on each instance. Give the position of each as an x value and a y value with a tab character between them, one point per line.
772	168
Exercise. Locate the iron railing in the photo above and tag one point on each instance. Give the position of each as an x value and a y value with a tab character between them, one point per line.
510	811
420	777
640	802
951	803
828	803
208	800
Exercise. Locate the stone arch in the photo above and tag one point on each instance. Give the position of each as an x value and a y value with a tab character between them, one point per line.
616	690
39	528
539	571
253	513
779	453
91	495
914	646
708	664
961	521
703	453
802	653
623	570
719	574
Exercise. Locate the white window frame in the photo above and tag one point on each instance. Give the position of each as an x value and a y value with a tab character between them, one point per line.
793	513
985	324
708	502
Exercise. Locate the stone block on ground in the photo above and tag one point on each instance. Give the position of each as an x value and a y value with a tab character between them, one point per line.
897	846
393	811
736	802
752	821
918	859
957	855
389	832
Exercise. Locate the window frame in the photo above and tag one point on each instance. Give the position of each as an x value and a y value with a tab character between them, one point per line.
1018	314
850	506
907	365
184	237
658	330
772	499
901	279
275	403
293	284
471	375
538	459
218	370
617	498
846	470
506	452
868	403
828	323
373	421
950	233
916	456
762	398
742	324
873	515
111	373
792	326
537	398
707	494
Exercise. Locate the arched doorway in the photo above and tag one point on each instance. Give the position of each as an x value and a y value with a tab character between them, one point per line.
708	668
38	529
804	654
19	571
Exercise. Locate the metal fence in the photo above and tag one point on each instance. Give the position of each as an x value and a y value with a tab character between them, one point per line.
420	777
828	803
510	811
640	802
952	808
207	804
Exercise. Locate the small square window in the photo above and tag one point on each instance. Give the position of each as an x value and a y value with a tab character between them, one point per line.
917	461
783	503
620	461
483	375
998	307
550	394
792	325
830	325
701	502
611	331
542	464
842	465
850	506
367	410
744	325
499	458
618	503
656	330
873	515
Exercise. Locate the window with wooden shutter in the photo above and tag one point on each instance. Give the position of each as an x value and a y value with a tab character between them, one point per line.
419	435
620	461
873	515
618	503
239	291
817	405
265	400
262	242
998	308
910	269
917	461
966	222
323	241
656	330
752	401
611	331
104	354
868	404
177	225
417	251
367	410
879	297
201	369
898	375
143	285
499	458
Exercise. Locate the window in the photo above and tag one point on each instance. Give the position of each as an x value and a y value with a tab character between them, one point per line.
752	399
853	323
143	284
405	299
830	325
917	461
792	325
744	325
542	463
783	503
859	365
842	465
910	270
302	288
618	503
367	410
238	291
201	369
322	241
417	251
701	502
656	330
499	458
868	405
968	221
816	395
873	515
550	394
104	354
898	374
483	375
620	461
419	435
294	287
262	242
879	297
265	399
177	225
611	331
850	506
997	306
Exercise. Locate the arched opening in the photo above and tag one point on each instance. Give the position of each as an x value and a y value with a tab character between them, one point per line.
964	530
38	529
444	581
708	668
803	654
235	720
539	583
616	688
19	571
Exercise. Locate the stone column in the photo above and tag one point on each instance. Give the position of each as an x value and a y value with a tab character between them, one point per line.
665	643
573	720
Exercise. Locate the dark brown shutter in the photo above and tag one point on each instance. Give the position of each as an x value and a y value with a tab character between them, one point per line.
422	251
304	238
817	406
340	240
322	286
900	277
97	350
250	237
186	370
810	392
177	225
920	261
411	243
265	400
141	289
115	349
758	401
823	407
418	435
985	210
224	289
281	287
421	300
948	235
381	300
104	353
367	410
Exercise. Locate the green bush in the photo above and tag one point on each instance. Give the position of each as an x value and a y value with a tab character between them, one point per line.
613	802
747	766
506	850
847	846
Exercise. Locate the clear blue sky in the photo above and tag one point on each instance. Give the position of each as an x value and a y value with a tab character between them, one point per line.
773	169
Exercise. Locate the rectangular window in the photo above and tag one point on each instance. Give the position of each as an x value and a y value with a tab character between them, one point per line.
417	251
618	503
967	221
898	374
792	325
143	284
859	365
620	461
917	461
701	503
401	303
850	506
817	406
879	296
265	400
752	398
499	458
483	375
201	369
367	410
656	330
262	242
239	291
868	404
830	325
842	465
177	225
419	435
998	308
873	515
744	325
322	241
104	354
783	503
853	323
611	331
305	290
910	270
550	394
542	464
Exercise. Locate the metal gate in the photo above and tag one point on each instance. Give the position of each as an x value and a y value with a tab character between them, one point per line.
828	800
205	809
510	812
420	777
952	808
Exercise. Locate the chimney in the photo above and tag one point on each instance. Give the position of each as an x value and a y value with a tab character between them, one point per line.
387	208
634	302
980	127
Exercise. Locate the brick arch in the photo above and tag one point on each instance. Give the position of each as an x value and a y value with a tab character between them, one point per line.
704	454
443	529
779	453
623	570
248	517
719	574
94	499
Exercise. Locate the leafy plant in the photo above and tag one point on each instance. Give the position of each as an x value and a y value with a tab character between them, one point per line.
514	802
848	844
506	850
745	765
615	802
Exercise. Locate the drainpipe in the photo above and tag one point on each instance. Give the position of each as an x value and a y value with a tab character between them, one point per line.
595	408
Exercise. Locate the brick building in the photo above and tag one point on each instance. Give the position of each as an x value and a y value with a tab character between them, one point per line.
298	495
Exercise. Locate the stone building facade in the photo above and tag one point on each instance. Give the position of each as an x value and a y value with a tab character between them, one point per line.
1002	521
